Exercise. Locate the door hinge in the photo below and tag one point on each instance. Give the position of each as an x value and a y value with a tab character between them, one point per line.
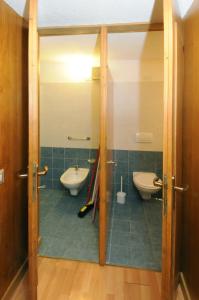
165	188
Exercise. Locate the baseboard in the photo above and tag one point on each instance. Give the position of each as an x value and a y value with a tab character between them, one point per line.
15	282
184	287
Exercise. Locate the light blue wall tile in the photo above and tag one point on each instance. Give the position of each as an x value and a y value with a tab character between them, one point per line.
58	152
117	178
83	163
122	166
128	162
57	173
57	185
46	151
70	163
47	183
71	153
93	153
121	155
49	174
83	154
46	161
58	163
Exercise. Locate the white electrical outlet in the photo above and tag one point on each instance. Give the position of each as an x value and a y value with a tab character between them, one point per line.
2	177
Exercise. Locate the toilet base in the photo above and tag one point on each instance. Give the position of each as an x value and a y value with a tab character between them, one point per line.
74	192
145	196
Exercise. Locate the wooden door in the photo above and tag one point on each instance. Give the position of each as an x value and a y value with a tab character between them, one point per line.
173	84
33	151
190	249
106	162
13	146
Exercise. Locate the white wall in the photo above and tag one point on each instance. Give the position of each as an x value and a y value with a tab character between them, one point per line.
69	109
137	91
138	107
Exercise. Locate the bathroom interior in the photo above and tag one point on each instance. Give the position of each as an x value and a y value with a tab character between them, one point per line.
70	139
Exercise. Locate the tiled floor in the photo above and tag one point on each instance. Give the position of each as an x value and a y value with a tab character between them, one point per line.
135	234
134	238
64	235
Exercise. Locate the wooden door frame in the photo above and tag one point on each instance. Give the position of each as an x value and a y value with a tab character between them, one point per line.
103	30
33	151
103	146
170	90
167	157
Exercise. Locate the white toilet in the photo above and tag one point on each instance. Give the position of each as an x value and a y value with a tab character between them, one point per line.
74	179
144	183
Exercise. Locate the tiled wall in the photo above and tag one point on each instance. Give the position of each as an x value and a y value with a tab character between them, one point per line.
134	161
59	159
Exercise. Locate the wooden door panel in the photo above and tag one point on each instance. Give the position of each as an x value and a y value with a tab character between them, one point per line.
173	83
33	151
177	146
13	144
105	150
190	249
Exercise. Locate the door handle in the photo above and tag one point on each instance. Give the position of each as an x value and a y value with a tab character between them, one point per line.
43	172
157	182
111	162
40	173
22	176
41	187
180	189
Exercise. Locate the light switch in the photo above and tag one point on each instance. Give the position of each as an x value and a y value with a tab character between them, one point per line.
1	176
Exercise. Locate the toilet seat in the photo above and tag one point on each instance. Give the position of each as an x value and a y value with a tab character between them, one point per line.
145	180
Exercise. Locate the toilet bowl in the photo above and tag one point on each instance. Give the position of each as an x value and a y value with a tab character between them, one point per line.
144	183
74	179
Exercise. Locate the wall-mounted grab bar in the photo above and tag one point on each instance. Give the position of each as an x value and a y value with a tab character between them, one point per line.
70	138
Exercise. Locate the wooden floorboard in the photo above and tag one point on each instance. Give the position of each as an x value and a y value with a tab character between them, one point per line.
73	280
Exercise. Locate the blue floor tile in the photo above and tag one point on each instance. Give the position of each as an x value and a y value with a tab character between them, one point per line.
64	235
135	235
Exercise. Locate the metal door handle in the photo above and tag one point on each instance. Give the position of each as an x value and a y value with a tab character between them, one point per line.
40	173
157	182
44	172
22	176
180	189
111	162
41	187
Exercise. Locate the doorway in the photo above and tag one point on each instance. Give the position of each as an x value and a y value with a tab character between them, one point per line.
69	142
136	81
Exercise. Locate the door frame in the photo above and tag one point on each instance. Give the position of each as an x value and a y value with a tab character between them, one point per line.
171	93
33	151
116	28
